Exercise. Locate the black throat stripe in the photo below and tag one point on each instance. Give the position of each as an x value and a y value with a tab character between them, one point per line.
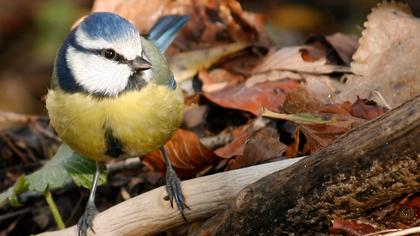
114	147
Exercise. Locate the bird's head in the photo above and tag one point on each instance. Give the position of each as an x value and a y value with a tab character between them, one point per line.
102	56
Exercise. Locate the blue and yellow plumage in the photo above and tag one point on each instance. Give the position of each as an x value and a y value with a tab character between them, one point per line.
113	95
142	120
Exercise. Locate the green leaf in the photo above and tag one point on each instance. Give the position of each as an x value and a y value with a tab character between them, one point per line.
52	174
82	171
4	198
65	163
10	195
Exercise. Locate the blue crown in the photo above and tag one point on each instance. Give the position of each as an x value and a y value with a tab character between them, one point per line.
108	26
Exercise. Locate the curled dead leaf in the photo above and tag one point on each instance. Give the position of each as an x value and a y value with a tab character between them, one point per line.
365	109
345	45
338	48
270	95
387	60
187	154
237	146
290	58
263	145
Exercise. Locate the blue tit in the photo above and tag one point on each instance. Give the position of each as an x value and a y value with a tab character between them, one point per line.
113	95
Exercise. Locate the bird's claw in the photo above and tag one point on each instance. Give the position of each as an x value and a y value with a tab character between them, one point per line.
86	220
173	188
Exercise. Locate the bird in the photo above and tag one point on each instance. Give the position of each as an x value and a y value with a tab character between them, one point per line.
112	96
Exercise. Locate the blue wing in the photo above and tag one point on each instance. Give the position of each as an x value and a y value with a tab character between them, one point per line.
164	31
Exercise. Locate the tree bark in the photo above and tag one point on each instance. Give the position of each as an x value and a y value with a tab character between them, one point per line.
352	177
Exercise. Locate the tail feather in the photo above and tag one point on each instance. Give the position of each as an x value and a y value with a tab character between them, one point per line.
164	31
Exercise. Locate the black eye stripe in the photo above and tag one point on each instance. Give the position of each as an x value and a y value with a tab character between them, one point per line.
115	56
118	57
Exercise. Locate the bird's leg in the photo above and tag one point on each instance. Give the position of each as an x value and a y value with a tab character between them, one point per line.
173	185
86	220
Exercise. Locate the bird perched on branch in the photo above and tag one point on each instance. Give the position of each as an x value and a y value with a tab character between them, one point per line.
113	95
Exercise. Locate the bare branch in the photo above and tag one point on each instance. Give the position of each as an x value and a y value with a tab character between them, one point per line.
149	213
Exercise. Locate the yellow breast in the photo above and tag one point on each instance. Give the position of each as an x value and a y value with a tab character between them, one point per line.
141	120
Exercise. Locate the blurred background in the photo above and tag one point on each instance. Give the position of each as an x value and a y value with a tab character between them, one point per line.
32	30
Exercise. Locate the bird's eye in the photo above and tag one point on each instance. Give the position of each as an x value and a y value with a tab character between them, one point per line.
109	53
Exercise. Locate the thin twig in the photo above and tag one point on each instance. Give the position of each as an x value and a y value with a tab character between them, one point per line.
127	164
9	142
15	213
54	210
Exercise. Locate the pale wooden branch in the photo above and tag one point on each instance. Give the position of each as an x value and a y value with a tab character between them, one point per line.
149	213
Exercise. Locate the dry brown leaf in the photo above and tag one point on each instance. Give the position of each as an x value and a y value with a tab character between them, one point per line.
351	227
248	20
211	22
293	148
388	58
414	202
302	64
345	45
352	116
217	79
235	148
365	109
244	61
320	135
338	48
320	87
187	154
143	13
322	127
337	108
268	95
301	100
274	75
261	146
312	53
322	124
290	58
186	65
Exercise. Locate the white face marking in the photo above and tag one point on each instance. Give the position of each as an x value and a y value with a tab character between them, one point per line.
97	74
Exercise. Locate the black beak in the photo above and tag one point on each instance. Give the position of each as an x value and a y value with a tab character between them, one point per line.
140	64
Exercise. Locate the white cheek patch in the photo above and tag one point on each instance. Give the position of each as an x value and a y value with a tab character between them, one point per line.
129	48
97	74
